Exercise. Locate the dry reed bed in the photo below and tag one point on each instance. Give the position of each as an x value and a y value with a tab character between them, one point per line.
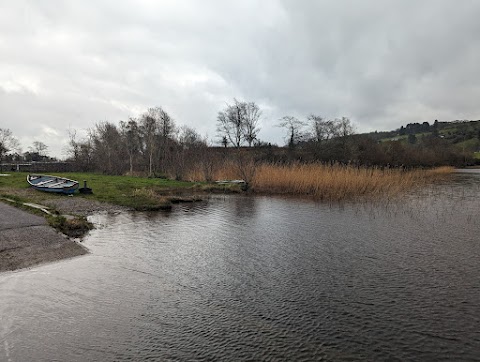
334	182
340	182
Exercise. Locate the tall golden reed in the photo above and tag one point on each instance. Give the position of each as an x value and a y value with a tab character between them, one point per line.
334	182
339	182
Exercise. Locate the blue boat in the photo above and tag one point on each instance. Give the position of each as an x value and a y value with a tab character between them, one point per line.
56	184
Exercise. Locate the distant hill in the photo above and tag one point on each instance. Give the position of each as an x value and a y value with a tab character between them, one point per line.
464	134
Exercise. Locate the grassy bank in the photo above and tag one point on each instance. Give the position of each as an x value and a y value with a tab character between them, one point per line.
132	192
323	182
139	193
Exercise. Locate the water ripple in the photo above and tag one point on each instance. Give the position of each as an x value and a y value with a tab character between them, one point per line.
268	279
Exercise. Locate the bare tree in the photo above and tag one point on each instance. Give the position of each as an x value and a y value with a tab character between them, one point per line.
251	117
166	124
109	153
149	129
73	148
230	123
40	148
81	151
167	130
189	137
130	132
238	123
330	138
8	143
345	127
345	130
187	151
295	132
322	129
157	130
86	152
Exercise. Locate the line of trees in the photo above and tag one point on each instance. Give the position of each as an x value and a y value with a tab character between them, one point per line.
334	140
325	139
151	144
11	151
154	145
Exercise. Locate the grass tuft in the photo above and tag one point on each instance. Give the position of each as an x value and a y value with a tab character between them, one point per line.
73	227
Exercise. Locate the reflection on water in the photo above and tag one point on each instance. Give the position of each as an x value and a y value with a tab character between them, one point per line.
261	279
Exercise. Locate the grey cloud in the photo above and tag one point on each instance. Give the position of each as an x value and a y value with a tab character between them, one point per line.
70	64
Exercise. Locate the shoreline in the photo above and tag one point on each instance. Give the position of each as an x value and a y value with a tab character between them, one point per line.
24	245
27	240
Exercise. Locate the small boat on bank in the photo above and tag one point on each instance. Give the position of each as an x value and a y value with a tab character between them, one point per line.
232	182
56	184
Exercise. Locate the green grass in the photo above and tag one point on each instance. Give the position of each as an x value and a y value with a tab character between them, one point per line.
471	143
395	138
140	193
404	138
15	180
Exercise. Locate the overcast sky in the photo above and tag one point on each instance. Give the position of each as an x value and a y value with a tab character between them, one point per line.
70	64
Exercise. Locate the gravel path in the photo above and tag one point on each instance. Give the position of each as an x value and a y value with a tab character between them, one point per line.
26	240
66	204
80	206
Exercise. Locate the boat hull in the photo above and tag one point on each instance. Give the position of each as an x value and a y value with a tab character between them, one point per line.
53	184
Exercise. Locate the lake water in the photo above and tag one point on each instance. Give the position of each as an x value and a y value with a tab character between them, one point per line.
261	278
